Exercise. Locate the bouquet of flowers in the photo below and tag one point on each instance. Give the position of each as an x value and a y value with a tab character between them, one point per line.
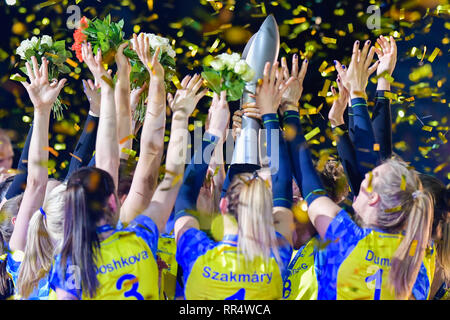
108	36
103	34
56	54
139	74
227	72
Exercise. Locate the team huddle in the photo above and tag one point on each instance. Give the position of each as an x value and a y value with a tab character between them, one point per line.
365	225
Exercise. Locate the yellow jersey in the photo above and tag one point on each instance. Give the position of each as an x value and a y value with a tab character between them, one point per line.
215	271
126	267
301	271
356	261
168	274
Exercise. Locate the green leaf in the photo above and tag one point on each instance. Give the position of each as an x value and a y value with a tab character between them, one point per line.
235	91
213	80
64	69
29	53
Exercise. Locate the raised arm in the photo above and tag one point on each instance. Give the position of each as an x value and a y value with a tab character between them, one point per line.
106	150
122	99
152	137
86	144
381	116
182	105
42	95
355	80
196	170
268	99
345	147
18	184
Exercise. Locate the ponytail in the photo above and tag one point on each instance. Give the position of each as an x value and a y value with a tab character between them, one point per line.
404	206
441	220
80	239
409	255
443	243
250	200
38	256
86	203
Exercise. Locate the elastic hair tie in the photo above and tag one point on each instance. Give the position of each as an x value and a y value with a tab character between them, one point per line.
416	193
43	212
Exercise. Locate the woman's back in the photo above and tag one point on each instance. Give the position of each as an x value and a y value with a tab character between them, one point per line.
215	271
356	261
126	265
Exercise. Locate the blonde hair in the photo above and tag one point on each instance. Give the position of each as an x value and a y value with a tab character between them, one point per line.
44	238
250	201
404	206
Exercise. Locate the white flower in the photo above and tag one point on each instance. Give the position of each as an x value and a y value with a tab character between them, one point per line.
47	40
241	67
217	64
230	60
157	41
24	46
248	75
34	41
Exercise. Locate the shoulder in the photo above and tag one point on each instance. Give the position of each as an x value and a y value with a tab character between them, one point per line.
191	245
145	228
343	228
65	277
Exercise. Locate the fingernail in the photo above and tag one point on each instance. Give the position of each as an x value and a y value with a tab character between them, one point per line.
295	56
306	60
343	66
357	41
368	41
338	80
334	61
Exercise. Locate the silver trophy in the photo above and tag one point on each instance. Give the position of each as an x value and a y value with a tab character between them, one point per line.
262	47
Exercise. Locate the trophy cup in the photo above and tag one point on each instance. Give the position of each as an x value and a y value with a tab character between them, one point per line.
262	47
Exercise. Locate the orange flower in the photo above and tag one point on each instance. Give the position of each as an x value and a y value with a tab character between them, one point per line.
79	37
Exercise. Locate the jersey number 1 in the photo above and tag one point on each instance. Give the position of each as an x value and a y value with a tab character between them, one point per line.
377	276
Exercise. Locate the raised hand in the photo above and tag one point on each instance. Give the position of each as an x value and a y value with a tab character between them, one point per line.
92	92
336	114
188	96
270	91
294	91
237	123
388	58
123	65
141	45
219	114
95	65
135	95
359	69
42	93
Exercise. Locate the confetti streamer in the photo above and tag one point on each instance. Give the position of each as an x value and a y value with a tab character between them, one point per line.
76	157
412	249
312	133
18	78
434	54
403	183
52	151
131	136
176	82
369	183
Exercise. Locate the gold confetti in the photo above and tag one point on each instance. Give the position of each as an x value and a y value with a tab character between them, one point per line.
312	133
412	249
440	167
369	183
18	78
214	45
403	183
71	63
176	82
376	147
427	128
395	209
326	86
108	81
434	54
327	40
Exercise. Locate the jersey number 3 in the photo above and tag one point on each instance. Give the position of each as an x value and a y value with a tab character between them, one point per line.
133	291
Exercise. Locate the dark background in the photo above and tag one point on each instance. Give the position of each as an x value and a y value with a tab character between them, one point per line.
190	21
